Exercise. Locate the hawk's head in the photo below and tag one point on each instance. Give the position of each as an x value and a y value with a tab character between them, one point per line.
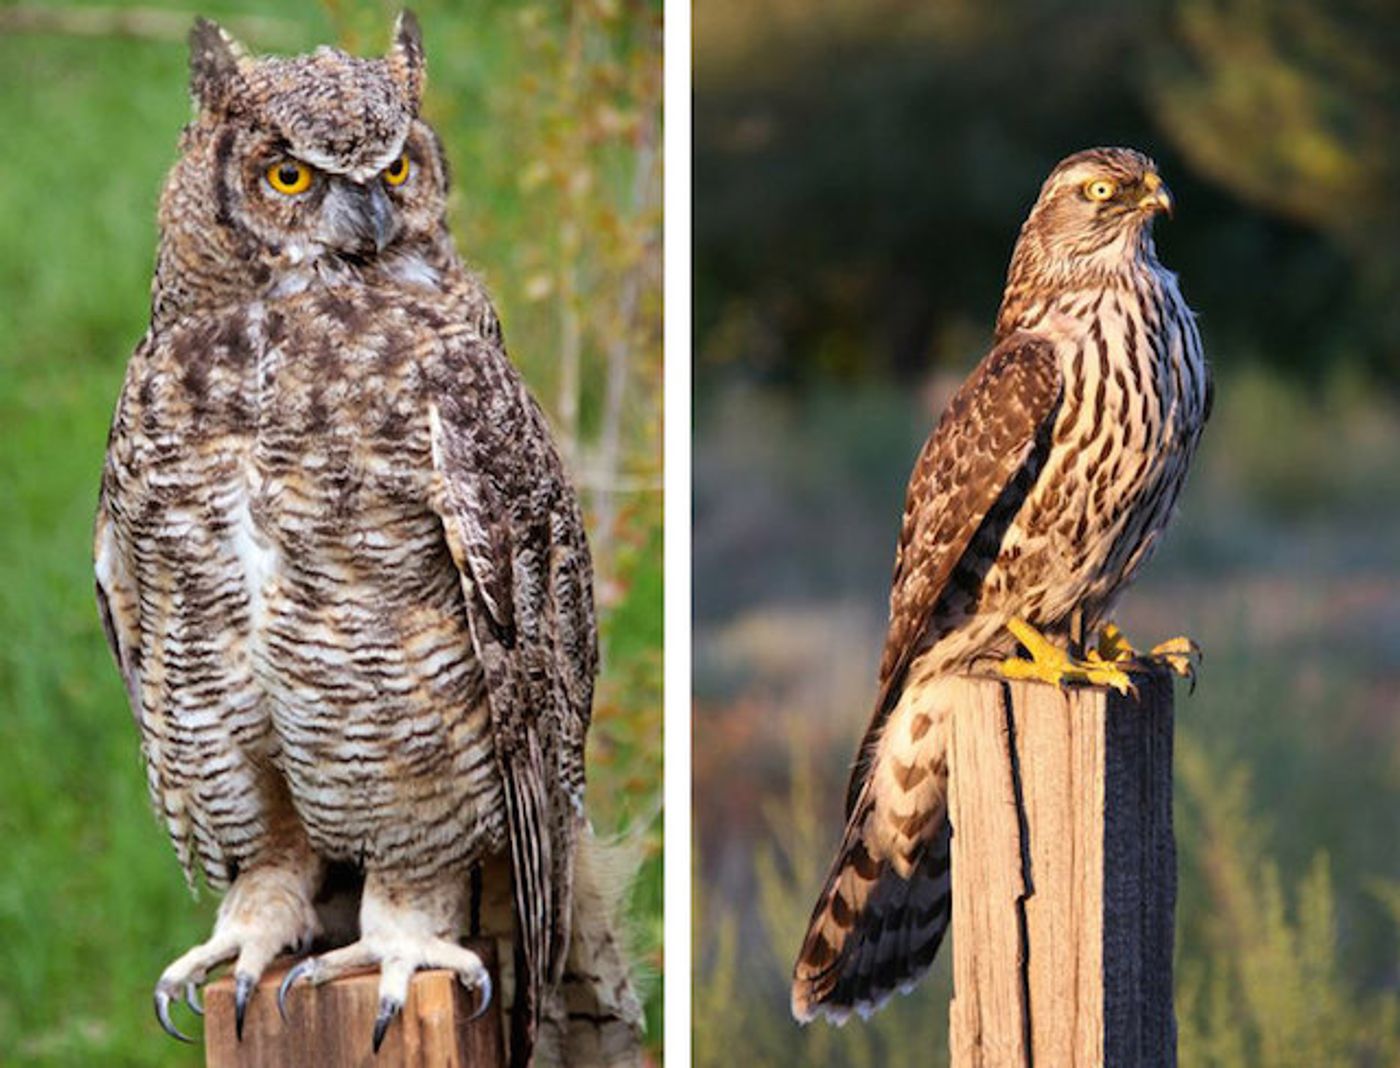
1094	213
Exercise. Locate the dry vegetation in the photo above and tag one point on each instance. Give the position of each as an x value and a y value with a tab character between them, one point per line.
1288	752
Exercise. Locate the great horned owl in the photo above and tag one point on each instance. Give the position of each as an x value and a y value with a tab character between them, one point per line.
341	567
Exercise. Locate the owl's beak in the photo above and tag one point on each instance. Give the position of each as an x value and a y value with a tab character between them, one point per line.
1157	196
381	216
359	218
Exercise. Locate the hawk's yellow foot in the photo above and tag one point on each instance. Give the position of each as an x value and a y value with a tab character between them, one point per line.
1178	655
1049	663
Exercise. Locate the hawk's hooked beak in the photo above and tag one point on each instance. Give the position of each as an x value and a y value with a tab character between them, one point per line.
1157	198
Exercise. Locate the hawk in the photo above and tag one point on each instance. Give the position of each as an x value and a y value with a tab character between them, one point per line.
1041	493
343	571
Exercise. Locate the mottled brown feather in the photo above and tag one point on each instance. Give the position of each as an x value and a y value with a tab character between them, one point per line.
986	436
513	525
1044	489
340	564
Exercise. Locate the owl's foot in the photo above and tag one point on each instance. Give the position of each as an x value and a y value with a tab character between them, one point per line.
1181	656
266	910
1049	663
397	962
399	940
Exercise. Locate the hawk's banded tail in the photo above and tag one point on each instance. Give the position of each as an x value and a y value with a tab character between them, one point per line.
887	901
874	931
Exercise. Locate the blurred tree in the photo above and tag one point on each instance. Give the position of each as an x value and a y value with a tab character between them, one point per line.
589	107
1296	107
862	168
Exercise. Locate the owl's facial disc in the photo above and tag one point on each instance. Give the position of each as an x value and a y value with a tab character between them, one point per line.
357	219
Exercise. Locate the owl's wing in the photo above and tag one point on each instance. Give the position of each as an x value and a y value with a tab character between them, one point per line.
515	532
976	457
117	601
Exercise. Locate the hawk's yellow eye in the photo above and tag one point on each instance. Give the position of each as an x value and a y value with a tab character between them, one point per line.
289	177
1099	189
397	172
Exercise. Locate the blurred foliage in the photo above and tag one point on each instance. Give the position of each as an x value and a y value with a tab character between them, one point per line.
742	999
1267	989
550	114
1271	989
1297	107
864	166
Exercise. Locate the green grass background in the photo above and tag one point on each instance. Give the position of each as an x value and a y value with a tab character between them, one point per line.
92	902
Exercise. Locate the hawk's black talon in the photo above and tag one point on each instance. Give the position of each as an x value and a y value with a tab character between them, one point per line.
289	980
243	989
388	1009
162	1000
192	999
485	987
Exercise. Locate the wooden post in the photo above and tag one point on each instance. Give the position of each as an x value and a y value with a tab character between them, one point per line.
332	1025
1064	876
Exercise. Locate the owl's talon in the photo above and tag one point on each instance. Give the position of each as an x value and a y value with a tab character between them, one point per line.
388	1009
255	920
483	986
163	998
242	991
297	972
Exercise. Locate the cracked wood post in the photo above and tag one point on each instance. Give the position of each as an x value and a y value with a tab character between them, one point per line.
1064	876
331	1026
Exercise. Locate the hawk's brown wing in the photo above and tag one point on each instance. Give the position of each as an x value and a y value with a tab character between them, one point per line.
971	460
516	534
880	918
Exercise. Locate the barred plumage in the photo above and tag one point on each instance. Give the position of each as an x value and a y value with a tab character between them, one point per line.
1041	493
339	561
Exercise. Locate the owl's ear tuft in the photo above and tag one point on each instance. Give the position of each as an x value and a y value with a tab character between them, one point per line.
214	57
406	57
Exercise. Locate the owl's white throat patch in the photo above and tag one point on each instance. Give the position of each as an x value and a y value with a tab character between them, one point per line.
415	271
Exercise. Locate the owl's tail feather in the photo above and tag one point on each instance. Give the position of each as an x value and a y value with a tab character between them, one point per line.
873	931
594	1018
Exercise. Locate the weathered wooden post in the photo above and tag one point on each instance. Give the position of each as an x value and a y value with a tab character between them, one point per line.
1064	876
330	1027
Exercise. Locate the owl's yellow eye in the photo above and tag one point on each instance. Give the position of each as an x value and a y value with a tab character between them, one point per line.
289	177
397	172
1099	189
